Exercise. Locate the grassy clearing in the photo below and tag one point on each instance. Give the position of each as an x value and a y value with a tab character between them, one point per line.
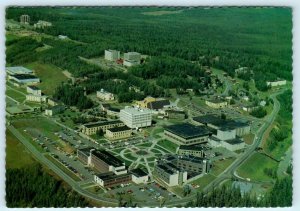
63	168
168	145
203	181
16	154
254	167
145	144
15	95
248	138
162	12
220	165
50	75
161	149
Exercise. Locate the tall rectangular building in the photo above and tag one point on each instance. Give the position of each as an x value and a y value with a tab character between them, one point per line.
136	118
132	56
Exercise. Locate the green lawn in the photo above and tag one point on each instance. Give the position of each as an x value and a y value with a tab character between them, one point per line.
63	168
158	147
50	75
168	145
254	166
16	154
203	181
144	145
15	95
220	165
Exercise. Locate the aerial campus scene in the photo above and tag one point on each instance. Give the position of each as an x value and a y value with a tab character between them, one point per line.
148	106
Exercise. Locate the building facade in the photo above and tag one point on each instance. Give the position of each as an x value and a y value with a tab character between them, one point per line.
216	103
194	150
54	110
170	174
36	98
25	19
94	127
139	176
136	118
109	179
34	90
112	55
118	133
104	95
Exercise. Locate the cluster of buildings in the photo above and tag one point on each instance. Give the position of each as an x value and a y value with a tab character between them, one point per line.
130	58
34	94
104	95
175	170
134	117
152	103
112	171
42	24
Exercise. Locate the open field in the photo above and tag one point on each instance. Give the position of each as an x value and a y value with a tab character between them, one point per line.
203	181
16	154
15	95
220	165
162	12
50	75
253	168
168	145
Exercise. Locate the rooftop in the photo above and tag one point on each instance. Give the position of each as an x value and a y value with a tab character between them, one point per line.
111	176
24	76
188	131
192	147
18	70
159	104
86	151
168	167
34	88
118	129
134	110
108	158
98	124
138	172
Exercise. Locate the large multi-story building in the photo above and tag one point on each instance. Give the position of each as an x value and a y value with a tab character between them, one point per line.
110	179
187	134
84	155
116	133
112	55
194	150
24	79
170	174
94	127
139	176
103	161
135	117
104	95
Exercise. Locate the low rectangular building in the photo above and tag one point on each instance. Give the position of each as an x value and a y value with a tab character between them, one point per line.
34	90
104	95
170	174
187	134
234	144
174	114
216	103
110	179
130	63
158	104
54	110
94	127
36	98
116	133
276	83
194	150
139	176
24	79
18	70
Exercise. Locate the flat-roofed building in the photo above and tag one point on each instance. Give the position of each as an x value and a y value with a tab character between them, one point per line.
94	127
24	79
18	70
194	150
103	161
278	82
116	133
158	104
110	179
215	122
42	24
34	90
134	56
193	164
187	134
111	111
175	114
170	174
139	176
231	144
36	98
145	102
135	117
104	95
130	63
84	155
51	111
216	103
112	55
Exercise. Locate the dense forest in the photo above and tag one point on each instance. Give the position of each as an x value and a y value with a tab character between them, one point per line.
210	37
31	187
280	196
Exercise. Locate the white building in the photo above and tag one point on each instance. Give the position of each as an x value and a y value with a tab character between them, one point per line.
226	133
139	176
42	24
130	63
112	55
36	98
104	95
62	37
276	83
134	56
34	90
136	118
170	174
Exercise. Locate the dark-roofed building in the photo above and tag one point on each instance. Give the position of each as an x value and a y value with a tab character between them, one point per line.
111	111
51	111
103	161
110	179
194	150
170	174
34	90
139	176
24	78
174	114
92	128
231	144
187	134
215	122
158	104
84	155
116	133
